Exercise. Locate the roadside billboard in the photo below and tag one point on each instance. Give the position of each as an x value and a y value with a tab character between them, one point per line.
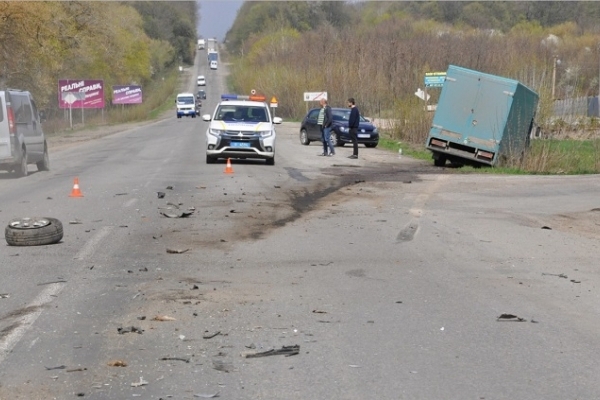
93	89
127	94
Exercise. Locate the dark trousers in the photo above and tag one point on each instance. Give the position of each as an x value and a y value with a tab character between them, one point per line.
353	133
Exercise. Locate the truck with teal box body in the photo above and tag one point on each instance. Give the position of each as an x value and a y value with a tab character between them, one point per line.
481	119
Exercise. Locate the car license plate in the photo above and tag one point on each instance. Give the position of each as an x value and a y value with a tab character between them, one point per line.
364	135
240	144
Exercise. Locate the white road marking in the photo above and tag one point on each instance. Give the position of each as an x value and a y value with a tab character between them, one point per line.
91	245
23	323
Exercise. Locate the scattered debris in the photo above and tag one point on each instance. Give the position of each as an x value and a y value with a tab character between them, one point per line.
546	227
354	366
145	269
59	367
559	275
142	382
52	282
186	360
163	318
211	335
77	370
169	188
234	212
195	287
510	317
574	281
176	251
207	396
319	312
359	181
222	366
121	194
182	214
285	350
130	329
161	195
117	363
75	222
277	187
4	295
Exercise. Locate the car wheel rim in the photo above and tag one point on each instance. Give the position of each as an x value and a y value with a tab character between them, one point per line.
29	223
303	136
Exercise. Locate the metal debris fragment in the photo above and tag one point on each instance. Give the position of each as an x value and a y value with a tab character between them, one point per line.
130	329
285	350
177	251
510	317
211	335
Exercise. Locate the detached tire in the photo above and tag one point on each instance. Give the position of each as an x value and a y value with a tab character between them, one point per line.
33	231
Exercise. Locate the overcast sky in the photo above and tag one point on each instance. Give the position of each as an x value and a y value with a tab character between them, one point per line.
216	17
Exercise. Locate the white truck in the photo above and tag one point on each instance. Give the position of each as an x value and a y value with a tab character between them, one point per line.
201	44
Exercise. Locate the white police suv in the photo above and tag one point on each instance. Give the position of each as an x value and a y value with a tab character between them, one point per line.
241	127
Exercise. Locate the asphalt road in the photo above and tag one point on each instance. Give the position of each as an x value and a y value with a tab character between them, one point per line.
388	273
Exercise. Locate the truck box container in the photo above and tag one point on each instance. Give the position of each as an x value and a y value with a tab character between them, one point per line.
481	119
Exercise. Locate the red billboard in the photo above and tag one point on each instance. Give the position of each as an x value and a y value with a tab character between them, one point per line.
81	93
131	94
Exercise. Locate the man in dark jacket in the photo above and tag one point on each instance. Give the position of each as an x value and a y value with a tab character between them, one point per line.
325	121
353	123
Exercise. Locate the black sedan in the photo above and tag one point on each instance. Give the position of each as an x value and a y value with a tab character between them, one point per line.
201	95
309	130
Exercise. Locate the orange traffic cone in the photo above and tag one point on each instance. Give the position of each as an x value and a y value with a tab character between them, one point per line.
76	192
228	168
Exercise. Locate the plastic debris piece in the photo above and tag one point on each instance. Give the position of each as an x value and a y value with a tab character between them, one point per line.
163	318
117	363
160	194
59	367
4	295
75	222
207	396
285	350
142	382
319	312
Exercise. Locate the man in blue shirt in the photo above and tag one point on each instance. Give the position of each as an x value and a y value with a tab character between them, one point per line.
353	122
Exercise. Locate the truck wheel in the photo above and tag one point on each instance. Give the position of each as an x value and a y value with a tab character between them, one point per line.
440	161
44	164
22	170
33	231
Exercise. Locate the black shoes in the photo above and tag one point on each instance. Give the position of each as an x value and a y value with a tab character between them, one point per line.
353	156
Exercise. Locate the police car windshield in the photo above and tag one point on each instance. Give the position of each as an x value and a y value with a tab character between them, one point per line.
233	113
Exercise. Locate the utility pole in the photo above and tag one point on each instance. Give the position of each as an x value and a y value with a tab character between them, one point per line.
555	61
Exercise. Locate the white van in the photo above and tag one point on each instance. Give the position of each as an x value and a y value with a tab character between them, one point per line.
186	105
213	64
22	139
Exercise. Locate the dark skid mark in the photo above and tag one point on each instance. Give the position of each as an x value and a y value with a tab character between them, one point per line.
9	329
408	232
296	174
20	312
301	202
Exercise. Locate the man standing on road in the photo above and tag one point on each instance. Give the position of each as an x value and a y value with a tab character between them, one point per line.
353	122
325	120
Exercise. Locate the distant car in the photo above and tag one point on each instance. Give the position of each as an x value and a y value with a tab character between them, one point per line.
201	95
340	135
213	64
201	80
